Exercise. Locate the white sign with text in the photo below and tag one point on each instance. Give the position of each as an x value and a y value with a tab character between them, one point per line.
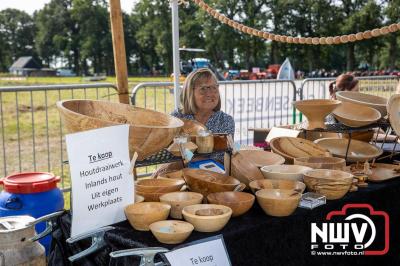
208	253
102	184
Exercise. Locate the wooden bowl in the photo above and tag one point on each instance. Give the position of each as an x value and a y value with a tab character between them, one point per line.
141	215
171	231
138	198
158	185
359	151
365	136
179	200
278	202
206	182
277	184
245	165
239	202
291	148
191	127
207	217
150	197
288	172
321	162
334	184
316	110
174	148
393	111
149	131
355	115
373	101
172	175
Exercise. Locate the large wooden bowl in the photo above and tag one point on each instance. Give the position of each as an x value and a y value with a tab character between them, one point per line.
171	231
316	110
149	131
191	127
291	148
278	202
321	162
239	202
179	200
256	185
218	216
245	164
359	151
206	182
394	114
334	184
141	215
373	101
158	185
355	115
288	172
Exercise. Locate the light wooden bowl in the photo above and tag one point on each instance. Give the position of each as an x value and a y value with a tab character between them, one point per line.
138	198
174	148
149	131
291	148
179	200
321	162
158	185
213	217
245	165
171	231
141	215
191	127
334	184
393	111
277	184
316	110
355	115
288	172
278	202
373	101
150	197
206	182
359	151
239	202
172	175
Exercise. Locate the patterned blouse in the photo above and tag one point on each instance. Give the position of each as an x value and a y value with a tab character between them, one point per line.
219	122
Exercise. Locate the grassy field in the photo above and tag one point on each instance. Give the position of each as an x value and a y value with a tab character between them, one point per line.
31	132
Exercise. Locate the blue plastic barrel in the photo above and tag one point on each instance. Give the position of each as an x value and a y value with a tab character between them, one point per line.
35	194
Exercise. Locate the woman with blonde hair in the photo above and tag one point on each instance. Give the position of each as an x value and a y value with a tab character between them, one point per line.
200	101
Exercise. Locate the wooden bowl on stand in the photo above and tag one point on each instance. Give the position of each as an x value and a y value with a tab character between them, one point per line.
373	101
393	111
149	131
321	162
355	115
359	151
316	110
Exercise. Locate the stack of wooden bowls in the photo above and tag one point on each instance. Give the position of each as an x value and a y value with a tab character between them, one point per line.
373	101
333	184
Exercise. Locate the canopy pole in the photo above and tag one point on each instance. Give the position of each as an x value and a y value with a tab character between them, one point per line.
175	51
117	31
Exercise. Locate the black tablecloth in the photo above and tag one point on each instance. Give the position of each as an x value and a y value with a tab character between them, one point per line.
258	239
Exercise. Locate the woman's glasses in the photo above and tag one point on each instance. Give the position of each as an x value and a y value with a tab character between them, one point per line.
204	89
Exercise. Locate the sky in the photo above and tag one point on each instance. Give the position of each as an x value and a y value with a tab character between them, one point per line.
30	6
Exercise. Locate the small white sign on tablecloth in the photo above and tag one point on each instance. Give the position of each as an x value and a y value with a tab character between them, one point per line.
281	132
207	252
102	184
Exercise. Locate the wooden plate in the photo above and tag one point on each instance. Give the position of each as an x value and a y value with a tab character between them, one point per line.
291	148
381	172
359	151
373	101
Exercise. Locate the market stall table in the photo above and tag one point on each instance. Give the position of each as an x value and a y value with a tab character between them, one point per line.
255	238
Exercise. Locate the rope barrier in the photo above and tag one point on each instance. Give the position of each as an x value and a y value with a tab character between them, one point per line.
298	40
